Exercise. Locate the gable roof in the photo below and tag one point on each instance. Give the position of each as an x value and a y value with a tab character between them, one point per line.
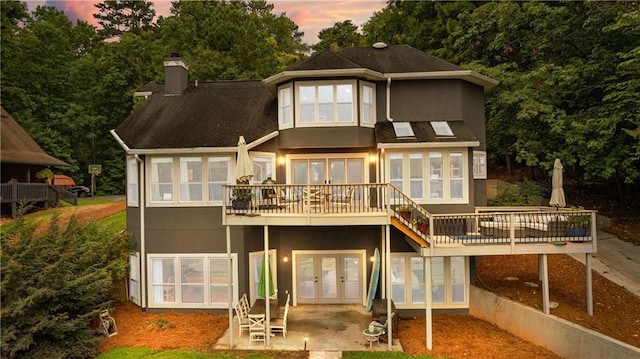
378	63
16	146
211	114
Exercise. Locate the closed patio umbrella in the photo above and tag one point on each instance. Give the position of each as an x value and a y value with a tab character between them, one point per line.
557	193
244	167
261	282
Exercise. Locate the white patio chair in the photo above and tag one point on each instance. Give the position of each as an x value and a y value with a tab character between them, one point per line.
244	301
257	330
279	325
243	320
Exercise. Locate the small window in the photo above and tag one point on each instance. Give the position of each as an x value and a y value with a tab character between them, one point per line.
441	128
132	182
285	108
479	165
367	117
403	129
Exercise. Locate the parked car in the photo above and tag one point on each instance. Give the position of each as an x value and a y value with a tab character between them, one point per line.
80	191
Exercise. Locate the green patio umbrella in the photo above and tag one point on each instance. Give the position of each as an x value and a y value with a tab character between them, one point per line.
261	282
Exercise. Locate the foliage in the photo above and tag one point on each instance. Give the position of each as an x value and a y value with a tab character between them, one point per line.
242	194
522	194
54	283
45	174
118	16
342	34
581	219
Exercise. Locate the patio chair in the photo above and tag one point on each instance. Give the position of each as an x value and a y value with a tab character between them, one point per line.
244	301
279	325
343	199
243	319
257	329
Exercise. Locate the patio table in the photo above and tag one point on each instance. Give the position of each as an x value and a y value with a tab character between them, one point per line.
260	308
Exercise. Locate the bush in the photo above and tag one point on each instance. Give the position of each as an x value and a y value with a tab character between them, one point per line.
54	284
526	193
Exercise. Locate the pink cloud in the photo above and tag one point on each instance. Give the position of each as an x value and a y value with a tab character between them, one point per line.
310	16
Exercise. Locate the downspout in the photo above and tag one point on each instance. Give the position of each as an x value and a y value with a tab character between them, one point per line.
389	100
142	204
143	253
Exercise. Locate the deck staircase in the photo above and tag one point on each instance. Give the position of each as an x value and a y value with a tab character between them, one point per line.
410	218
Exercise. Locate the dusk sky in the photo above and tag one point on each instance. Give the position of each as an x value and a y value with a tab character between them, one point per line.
310	16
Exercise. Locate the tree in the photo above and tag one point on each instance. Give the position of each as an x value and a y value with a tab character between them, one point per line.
53	284
119	16
342	34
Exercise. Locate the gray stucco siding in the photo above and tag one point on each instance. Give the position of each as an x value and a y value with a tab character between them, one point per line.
424	100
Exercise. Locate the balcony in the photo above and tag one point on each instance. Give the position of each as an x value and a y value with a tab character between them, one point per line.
490	230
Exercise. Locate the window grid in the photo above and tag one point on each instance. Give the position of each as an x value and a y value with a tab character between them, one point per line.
178	280
326	104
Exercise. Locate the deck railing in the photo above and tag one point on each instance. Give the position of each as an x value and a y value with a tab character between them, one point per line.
488	225
23	194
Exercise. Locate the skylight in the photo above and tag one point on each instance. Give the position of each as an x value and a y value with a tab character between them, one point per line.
403	129
441	128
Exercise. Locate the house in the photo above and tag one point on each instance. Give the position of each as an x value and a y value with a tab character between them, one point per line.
341	144
21	159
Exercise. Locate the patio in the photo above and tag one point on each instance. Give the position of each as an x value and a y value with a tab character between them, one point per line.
325	327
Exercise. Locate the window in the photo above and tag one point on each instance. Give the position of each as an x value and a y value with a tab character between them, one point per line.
132	182
441	128
161	179
200	180
263	166
449	281
396	175
403	129
255	267
479	164
416	175
191	280
367	117
325	104
219	173
134	277
445	172
190	179
285	108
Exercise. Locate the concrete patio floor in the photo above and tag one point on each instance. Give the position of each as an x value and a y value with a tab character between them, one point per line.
327	327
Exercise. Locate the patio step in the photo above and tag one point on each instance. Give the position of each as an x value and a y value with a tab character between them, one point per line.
323	354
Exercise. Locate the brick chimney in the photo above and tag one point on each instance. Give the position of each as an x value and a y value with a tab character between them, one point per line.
176	75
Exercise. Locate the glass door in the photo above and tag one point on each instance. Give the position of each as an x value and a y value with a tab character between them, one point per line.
329	278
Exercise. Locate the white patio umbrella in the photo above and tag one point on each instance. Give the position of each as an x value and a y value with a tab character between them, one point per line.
244	167
557	193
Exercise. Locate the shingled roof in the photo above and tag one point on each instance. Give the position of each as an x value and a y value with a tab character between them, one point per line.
16	146
424	133
211	114
390	59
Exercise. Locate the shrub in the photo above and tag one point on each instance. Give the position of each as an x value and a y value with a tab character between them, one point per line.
54	284
522	194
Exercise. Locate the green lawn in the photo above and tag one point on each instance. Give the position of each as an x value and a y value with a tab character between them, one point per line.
138	353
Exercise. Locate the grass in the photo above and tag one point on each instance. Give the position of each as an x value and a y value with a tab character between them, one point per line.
147	353
116	222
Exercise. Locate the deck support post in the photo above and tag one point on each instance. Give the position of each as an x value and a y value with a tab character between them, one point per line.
229	285
387	274
383	278
267	293
587	261
545	284
427	300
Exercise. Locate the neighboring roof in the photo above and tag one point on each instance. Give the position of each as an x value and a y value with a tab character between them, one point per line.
212	114
16	146
386	137
379	63
62	180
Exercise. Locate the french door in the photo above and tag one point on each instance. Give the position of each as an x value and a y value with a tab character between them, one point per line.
327	169
329	276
